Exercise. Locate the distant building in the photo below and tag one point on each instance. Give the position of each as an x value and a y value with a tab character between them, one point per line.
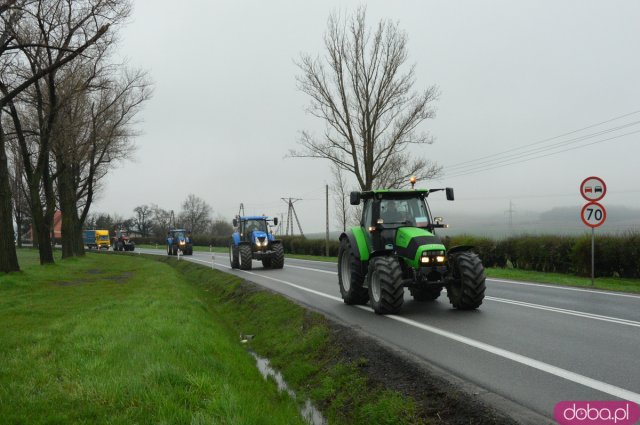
57	227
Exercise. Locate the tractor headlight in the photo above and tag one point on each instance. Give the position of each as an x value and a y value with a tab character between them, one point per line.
181	242
431	257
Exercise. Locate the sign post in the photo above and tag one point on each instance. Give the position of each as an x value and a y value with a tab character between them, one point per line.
593	214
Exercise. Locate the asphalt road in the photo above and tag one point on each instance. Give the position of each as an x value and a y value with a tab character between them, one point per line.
532	344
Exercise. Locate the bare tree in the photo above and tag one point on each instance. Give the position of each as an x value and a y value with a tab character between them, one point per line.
161	220
366	100
97	130
196	214
143	220
46	35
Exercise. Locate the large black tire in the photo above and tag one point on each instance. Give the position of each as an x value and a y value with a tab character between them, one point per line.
277	261
234	257
350	275
385	285
428	293
466	290
245	257
169	252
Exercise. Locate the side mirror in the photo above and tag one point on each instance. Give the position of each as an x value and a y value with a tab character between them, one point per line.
449	194
235	222
438	220
275	221
355	198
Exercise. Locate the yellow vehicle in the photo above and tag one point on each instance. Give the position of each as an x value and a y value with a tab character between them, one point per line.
98	239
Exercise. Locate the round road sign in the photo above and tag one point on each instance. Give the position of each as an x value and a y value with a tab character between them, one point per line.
593	188
593	214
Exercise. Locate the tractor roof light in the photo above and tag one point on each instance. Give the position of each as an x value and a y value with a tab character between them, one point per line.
413	181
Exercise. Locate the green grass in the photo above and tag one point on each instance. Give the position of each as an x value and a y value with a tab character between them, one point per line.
298	344
121	340
608	283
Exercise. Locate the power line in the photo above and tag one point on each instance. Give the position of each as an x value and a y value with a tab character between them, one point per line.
549	139
503	157
490	167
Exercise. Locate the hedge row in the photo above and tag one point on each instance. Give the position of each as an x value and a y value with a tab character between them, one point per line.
615	255
292	244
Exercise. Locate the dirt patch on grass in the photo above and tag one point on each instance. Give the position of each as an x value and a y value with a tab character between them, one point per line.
119	278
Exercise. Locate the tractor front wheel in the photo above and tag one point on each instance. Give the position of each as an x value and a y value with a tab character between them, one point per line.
425	294
277	261
350	275
234	256
466	290
245	257
385	285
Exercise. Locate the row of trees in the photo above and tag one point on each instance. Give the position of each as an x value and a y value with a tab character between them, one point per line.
152	220
67	114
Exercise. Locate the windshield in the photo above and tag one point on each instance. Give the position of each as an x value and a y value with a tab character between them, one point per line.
178	235
103	238
252	225
411	212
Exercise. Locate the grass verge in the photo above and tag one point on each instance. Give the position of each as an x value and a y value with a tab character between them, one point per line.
121	339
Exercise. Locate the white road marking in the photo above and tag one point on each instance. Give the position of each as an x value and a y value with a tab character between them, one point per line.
564	288
518	358
565	311
312	270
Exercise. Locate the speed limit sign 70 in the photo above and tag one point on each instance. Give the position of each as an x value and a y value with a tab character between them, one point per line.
593	214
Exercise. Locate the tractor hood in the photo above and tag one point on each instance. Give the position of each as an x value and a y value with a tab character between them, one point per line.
259	234
412	241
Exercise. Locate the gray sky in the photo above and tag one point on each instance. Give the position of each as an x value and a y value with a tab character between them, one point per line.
226	109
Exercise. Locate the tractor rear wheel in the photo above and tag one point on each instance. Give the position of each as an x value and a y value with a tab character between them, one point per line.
385	285
245	257
350	276
277	261
428	293
169	250
466	290
234	256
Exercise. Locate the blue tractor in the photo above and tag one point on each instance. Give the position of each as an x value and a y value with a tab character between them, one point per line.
179	239
252	240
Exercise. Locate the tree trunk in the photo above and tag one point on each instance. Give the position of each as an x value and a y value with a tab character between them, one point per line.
66	196
8	255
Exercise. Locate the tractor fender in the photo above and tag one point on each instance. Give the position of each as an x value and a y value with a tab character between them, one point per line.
459	248
235	238
352	241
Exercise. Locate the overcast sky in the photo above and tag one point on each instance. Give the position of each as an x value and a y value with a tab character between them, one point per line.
226	109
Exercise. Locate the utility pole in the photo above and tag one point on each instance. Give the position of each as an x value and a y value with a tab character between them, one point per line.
327	236
510	211
291	215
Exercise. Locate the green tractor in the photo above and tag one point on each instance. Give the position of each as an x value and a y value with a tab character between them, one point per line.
395	247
